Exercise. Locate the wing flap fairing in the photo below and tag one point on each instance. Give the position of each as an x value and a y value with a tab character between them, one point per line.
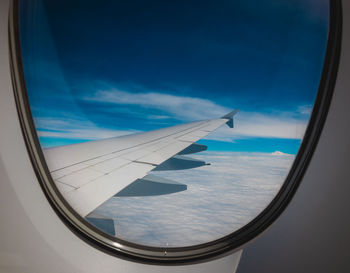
102	222
179	162
193	148
151	185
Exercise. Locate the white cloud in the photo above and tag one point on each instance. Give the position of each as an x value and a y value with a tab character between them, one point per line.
260	125
278	153
74	129
156	117
180	107
220	198
305	109
256	125
247	124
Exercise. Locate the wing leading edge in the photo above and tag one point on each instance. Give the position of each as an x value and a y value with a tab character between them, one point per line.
87	174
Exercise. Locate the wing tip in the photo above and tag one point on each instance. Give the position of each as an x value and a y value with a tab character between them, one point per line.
229	116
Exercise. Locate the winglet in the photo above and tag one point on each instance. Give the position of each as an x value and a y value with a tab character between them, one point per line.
229	116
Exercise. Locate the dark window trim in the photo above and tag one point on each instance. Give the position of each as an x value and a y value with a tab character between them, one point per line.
179	255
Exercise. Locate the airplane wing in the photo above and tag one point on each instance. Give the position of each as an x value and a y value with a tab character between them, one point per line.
87	174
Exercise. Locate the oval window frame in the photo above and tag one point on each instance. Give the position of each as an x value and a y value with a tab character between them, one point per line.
196	253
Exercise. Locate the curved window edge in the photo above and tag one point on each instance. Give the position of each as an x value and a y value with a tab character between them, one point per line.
179	255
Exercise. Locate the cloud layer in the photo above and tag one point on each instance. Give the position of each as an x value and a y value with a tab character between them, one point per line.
72	128
289	125
163	110
180	107
220	199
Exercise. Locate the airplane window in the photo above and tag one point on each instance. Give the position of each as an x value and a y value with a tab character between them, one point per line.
171	127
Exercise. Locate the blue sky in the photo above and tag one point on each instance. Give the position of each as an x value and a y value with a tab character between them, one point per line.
119	67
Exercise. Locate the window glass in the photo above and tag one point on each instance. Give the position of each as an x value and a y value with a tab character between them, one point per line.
107	82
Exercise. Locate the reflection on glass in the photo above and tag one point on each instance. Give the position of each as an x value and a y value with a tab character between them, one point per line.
128	71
